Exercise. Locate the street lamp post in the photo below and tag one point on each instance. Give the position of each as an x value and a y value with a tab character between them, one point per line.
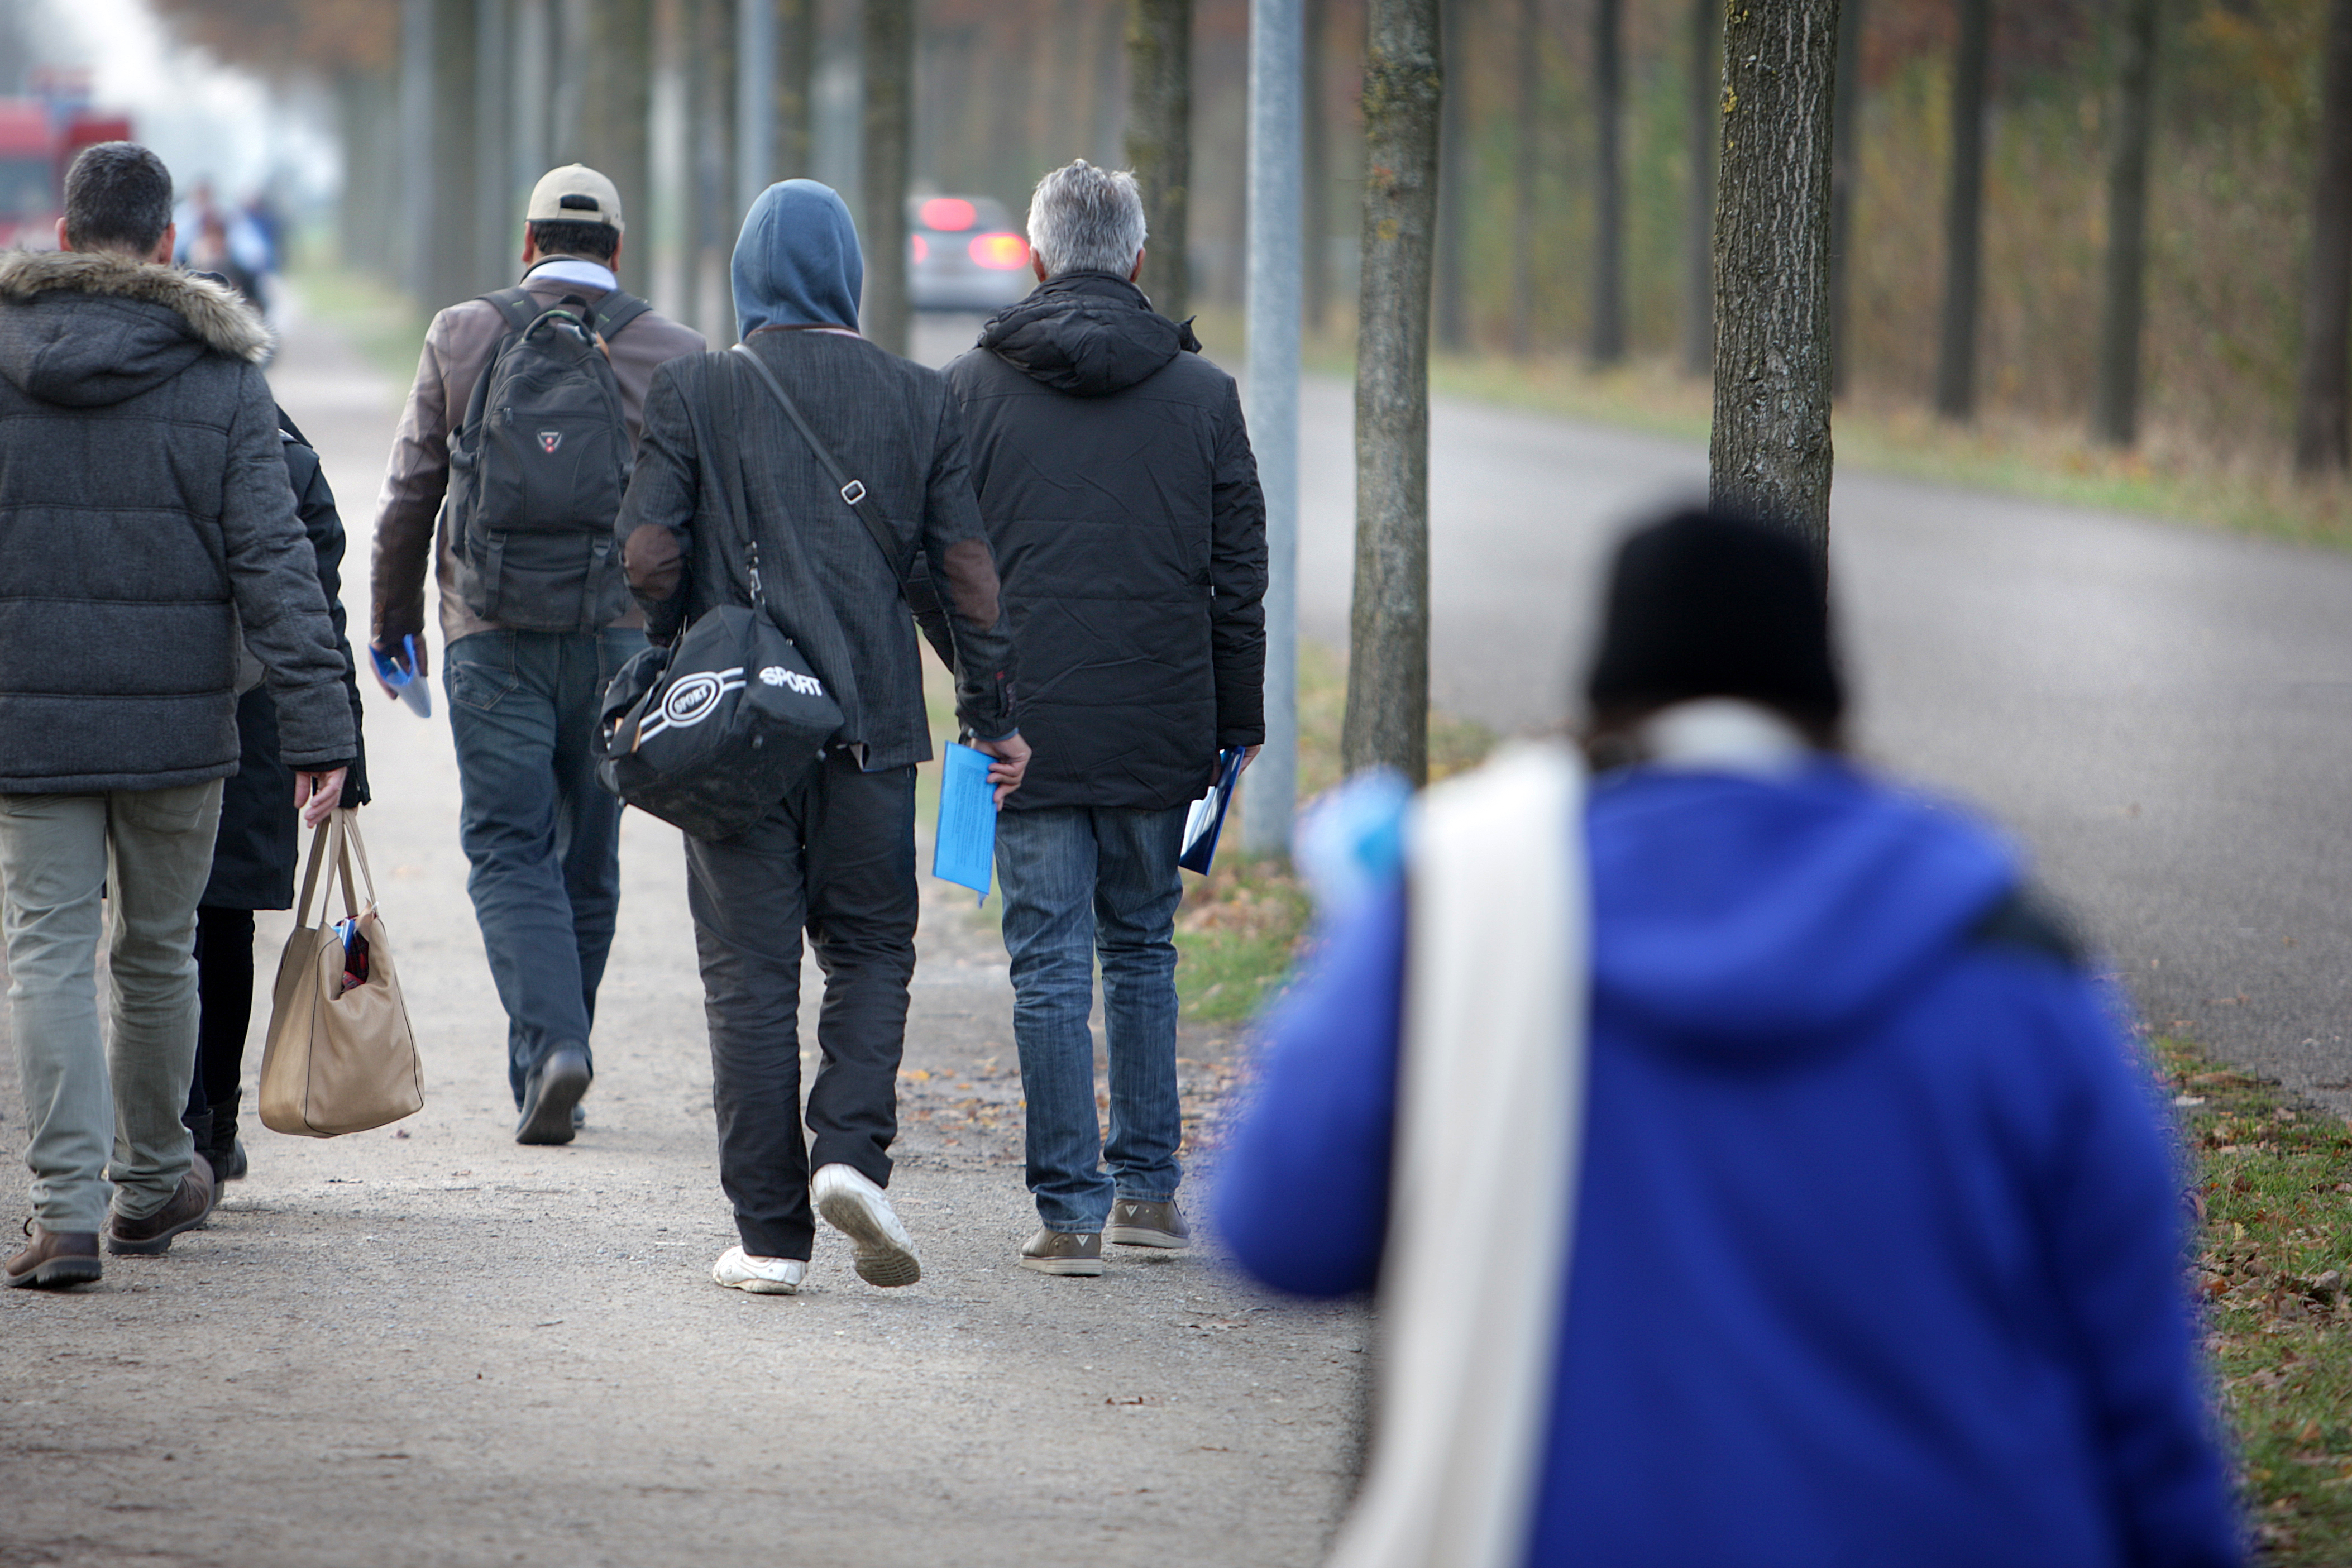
1277	91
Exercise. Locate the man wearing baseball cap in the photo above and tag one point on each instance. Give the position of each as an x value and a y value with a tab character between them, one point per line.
541	834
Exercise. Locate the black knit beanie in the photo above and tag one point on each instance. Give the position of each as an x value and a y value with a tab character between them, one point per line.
1706	604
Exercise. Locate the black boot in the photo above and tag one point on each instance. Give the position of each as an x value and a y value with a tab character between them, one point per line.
223	1148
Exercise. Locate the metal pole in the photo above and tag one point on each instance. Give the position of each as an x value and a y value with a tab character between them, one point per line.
493	87
534	69
755	101
1276	83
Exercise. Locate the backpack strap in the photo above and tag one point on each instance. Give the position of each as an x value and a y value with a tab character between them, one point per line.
518	305
853	492
615	310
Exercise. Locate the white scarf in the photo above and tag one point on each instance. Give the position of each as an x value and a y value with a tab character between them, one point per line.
1490	1109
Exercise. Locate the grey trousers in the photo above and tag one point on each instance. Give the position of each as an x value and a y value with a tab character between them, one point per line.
98	1111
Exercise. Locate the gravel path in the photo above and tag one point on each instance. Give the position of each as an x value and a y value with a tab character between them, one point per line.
427	1346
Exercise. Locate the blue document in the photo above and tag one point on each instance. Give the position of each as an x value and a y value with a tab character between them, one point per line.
1207	817
963	850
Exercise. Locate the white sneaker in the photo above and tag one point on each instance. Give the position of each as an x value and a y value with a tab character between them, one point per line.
856	1206
739	1270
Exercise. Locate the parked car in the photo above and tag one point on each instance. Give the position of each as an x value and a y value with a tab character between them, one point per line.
964	253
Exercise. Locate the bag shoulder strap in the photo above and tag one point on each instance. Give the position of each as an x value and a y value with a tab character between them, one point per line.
329	847
853	492
726	460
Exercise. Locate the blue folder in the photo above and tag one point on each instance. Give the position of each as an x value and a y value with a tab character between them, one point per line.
1207	817
963	850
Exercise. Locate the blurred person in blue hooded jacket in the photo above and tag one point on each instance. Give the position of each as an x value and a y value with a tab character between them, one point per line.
1825	1218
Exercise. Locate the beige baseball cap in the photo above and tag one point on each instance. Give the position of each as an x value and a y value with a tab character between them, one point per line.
575	194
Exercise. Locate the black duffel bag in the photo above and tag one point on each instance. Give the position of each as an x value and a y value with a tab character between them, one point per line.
710	732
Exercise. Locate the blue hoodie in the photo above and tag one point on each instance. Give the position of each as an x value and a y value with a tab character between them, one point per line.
796	261
1878	1258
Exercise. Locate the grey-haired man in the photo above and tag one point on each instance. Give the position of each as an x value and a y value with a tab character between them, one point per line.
1122	502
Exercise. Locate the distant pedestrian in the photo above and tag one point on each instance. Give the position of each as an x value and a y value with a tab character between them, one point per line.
257	844
1122	501
1752	1171
835	855
145	520
535	616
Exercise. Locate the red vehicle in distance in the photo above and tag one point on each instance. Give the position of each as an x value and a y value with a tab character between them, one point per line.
36	146
963	254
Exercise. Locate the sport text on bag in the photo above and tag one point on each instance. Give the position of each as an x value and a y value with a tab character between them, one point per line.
538	466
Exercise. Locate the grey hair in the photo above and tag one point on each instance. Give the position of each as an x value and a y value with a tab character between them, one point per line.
1085	220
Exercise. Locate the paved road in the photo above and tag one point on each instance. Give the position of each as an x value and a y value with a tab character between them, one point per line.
425	1345
2162	714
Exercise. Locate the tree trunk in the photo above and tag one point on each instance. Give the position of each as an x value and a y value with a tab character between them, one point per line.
1608	345
1315	181
1769	456
795	86
1159	145
616	101
1846	175
498	217
1956	362
1452	325
2320	434
2114	416
1706	107
889	144
1387	720
714	172
419	96
1109	133
1526	157
455	265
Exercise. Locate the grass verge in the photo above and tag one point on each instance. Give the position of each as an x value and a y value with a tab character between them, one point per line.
2174	473
384	325
2274	1267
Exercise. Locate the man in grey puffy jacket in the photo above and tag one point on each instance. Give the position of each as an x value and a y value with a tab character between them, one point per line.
145	525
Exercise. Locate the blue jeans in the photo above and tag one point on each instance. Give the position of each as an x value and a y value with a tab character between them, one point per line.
1081	883
543	836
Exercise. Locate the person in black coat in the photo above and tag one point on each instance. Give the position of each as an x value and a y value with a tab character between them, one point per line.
1122	502
256	850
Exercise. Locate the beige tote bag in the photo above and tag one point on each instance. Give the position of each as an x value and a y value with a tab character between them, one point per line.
338	1060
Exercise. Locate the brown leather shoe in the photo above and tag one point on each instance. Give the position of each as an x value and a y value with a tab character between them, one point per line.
1136	1222
150	1235
1063	1252
55	1260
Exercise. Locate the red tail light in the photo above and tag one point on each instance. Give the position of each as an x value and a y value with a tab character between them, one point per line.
922	248
952	215
1000	252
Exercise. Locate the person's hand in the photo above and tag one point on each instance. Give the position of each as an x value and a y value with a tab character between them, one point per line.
397	656
1011	754
316	794
1249	756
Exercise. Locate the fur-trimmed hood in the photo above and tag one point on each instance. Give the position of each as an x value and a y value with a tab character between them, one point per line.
89	328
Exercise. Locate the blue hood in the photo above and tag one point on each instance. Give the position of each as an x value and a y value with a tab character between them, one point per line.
797	262
1740	919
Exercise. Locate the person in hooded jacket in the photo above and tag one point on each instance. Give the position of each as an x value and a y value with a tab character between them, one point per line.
146	532
1116	475
255	849
1876	1247
834	855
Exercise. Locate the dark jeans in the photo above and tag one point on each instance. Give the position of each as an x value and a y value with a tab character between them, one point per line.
224	1007
542	835
1080	883
836	857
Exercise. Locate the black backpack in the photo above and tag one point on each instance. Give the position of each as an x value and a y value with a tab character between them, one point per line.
538	468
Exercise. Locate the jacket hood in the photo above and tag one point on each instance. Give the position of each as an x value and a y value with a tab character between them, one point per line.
796	261
1741	920
1087	333
89	328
